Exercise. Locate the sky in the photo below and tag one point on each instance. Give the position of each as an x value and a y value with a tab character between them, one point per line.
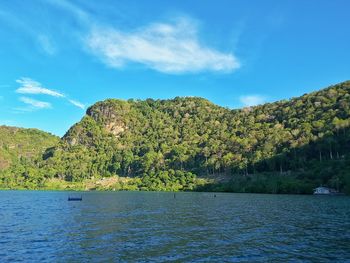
58	57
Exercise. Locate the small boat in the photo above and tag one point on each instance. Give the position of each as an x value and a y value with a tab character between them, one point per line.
75	198
322	190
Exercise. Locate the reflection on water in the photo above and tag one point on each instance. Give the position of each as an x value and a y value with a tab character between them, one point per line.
141	226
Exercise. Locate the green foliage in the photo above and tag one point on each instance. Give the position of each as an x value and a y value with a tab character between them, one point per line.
283	147
171	180
17	143
20	150
263	183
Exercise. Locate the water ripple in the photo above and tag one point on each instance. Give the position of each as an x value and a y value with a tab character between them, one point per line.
143	227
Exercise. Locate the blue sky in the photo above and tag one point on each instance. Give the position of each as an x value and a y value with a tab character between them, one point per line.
60	56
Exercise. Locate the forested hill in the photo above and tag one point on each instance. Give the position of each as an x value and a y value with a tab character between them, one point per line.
286	146
19	146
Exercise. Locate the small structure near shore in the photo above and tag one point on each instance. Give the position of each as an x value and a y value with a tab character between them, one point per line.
322	190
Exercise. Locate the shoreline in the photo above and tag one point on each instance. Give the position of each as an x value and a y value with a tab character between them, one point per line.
162	191
200	184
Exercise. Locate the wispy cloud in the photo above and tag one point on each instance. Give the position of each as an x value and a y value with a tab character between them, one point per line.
165	47
47	45
29	86
172	48
72	8
35	104
77	104
33	30
252	100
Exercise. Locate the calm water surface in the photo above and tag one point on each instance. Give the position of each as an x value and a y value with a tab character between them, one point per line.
141	226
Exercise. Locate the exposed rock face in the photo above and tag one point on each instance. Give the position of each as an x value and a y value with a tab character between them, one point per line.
4	163
111	117
115	128
72	141
106	116
102	112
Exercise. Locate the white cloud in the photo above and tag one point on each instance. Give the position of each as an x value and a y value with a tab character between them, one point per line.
77	104
252	100
29	86
47	44
72	8
169	48
165	47
36	104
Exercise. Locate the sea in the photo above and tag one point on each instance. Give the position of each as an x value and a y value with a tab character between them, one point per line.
43	226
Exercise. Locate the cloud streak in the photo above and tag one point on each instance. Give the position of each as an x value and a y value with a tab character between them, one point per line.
72	8
77	104
252	100
35	104
47	45
172	48
168	48
29	86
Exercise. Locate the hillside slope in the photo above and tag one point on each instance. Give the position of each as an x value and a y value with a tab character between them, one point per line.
303	141
289	146
20	150
20	143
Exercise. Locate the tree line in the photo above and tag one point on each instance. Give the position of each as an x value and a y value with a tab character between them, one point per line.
298	143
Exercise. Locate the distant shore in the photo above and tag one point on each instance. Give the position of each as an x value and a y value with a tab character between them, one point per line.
133	184
254	183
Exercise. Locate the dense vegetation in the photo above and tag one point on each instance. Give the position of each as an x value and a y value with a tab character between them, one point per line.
288	146
20	151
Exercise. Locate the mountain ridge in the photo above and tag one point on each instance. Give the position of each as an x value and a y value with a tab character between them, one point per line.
166	144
